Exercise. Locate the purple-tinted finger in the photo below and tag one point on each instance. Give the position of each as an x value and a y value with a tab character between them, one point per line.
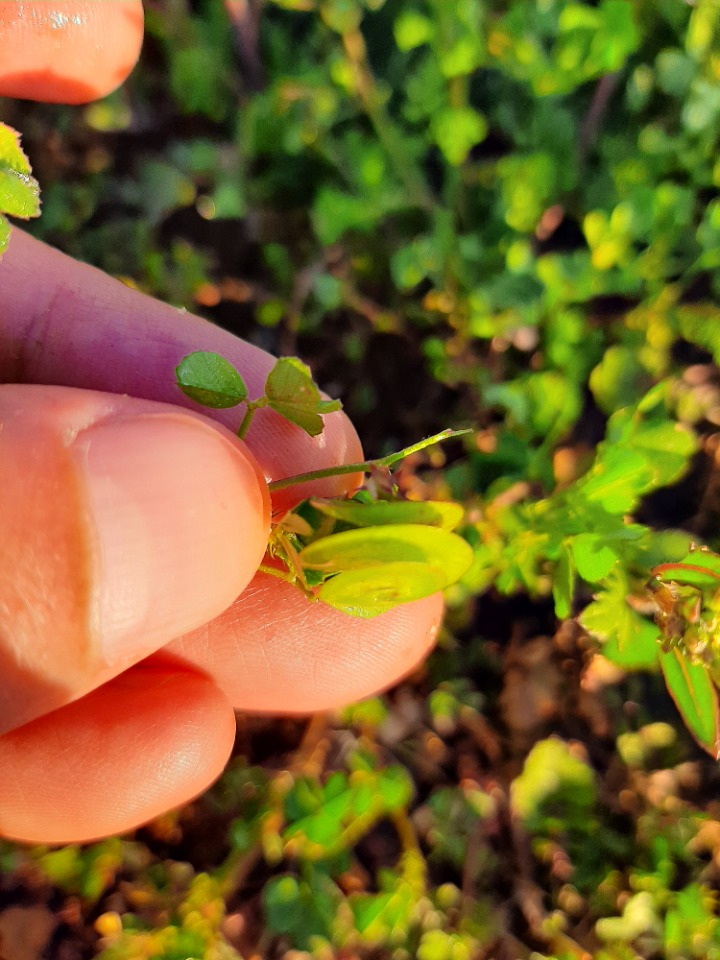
65	323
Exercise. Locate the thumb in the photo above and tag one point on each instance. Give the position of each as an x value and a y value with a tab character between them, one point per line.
69	51
124	523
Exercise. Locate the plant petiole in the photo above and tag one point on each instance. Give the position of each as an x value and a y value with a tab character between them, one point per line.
365	465
250	407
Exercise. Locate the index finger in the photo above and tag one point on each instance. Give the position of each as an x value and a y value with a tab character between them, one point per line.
69	51
67	324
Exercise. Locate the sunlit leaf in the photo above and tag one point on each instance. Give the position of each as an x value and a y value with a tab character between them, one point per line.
19	190
617	480
700	568
401	543
592	556
211	380
4	233
436	513
563	583
375	590
695	696
325	819
292	393
629	640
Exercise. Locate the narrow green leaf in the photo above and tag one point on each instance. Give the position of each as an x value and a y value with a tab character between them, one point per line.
211	380
19	190
695	696
563	583
435	513
700	568
293	394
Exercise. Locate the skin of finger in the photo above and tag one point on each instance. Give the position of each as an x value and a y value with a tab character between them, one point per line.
50	568
66	323
274	651
149	740
69	51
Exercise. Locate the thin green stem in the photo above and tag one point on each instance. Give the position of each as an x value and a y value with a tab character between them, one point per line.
365	465
251	407
246	421
274	572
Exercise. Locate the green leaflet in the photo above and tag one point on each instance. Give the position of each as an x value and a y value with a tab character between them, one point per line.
374	590
694	694
19	190
411	543
436	513
700	568
291	392
211	380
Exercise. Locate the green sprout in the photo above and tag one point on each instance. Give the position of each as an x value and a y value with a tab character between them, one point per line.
364	554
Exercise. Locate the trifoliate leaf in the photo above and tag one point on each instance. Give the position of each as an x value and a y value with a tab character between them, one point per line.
211	380
19	190
291	392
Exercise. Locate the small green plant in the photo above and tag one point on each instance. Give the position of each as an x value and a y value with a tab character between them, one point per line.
19	190
363	555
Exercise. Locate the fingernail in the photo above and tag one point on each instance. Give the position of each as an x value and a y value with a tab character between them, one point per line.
178	522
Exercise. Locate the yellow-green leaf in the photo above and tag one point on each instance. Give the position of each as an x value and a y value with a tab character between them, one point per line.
19	190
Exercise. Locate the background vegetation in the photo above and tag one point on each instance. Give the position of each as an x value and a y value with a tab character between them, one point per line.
496	213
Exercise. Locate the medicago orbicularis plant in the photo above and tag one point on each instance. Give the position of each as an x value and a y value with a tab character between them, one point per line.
364	554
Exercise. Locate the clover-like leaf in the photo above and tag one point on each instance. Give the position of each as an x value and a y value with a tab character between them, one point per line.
433	513
211	380
291	392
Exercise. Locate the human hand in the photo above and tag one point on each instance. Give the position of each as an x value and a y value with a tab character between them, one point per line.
131	618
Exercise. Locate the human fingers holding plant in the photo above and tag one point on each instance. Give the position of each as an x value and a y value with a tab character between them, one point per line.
131	622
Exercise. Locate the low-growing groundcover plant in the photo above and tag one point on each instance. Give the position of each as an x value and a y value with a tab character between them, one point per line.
497	212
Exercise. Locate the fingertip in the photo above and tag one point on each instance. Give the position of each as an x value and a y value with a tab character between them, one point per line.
132	522
71	51
274	651
146	742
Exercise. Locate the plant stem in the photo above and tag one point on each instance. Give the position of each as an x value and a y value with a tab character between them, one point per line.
274	572
365	465
384	127
246	421
250	407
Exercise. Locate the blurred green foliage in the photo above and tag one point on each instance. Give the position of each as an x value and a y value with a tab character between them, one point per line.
525	194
